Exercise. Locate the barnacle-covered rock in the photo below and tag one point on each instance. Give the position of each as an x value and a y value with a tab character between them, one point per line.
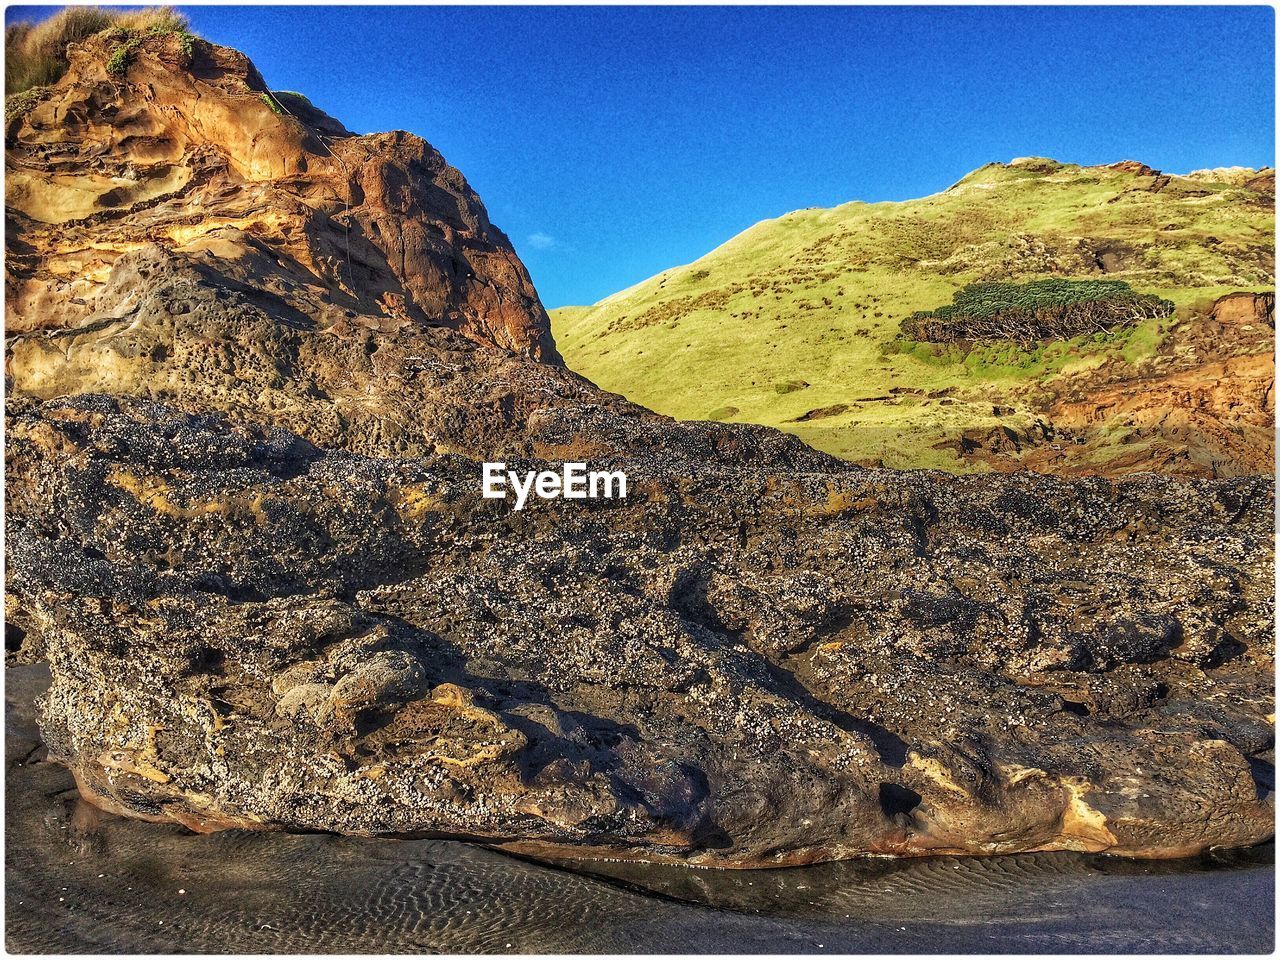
741	664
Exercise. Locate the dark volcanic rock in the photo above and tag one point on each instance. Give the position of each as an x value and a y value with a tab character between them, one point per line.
741	664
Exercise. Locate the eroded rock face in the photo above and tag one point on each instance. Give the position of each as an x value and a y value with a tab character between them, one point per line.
188	332
191	152
742	664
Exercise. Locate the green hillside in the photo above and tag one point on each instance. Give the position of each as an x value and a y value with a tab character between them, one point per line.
796	321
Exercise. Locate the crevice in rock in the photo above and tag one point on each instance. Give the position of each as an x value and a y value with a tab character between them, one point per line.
897	800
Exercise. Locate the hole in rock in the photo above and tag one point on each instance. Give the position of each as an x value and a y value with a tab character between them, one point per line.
13	637
896	799
709	836
207	660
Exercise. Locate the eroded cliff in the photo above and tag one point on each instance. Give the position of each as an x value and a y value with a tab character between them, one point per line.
186	148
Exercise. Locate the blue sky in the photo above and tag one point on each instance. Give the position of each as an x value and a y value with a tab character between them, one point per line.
611	143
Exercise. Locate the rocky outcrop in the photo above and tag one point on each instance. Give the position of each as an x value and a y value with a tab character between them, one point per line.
1135	167
1203	406
1238	310
245	529
224	254
186	148
188	331
741	664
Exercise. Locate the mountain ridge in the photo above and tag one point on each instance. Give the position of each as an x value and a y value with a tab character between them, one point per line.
1224	173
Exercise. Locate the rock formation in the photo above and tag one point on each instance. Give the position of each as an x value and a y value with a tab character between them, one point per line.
245	529
188	149
744	663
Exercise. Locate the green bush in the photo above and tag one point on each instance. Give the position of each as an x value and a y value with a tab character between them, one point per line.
1028	312
186	46
288	98
121	56
790	386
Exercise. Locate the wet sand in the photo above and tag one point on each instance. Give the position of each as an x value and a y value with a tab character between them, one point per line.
84	882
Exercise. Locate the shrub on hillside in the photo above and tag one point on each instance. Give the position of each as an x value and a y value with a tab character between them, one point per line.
291	98
1025	313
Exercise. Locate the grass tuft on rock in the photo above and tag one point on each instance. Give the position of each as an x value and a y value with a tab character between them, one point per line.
118	62
36	53
19	105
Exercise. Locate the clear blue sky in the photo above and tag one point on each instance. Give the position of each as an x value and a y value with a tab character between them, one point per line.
611	143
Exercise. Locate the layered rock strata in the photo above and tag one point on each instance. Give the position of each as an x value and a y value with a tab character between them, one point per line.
188	149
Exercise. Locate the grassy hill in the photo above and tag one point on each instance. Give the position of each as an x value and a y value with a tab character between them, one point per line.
796	321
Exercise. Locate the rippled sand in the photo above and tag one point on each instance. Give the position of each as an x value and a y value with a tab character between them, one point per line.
79	881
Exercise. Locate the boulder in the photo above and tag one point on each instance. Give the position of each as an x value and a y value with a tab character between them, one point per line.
741	664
